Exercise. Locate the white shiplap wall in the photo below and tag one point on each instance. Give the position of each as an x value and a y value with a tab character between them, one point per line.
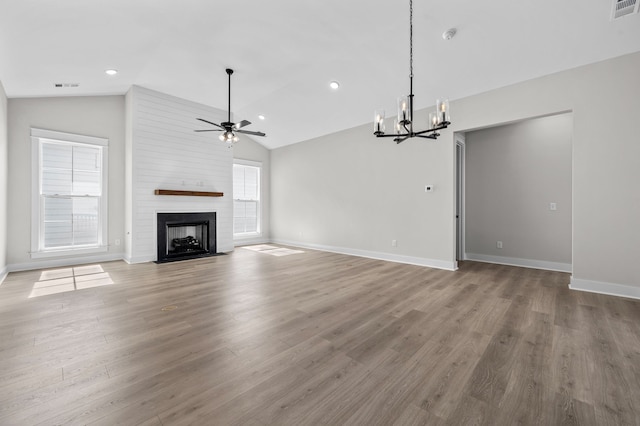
167	154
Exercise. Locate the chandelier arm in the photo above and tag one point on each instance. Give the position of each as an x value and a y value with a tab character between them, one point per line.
426	132
394	135
435	129
430	136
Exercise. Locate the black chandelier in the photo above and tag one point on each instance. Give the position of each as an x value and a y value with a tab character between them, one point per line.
403	124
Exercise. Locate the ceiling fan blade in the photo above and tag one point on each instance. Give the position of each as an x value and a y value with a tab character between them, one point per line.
242	124
206	121
209	130
248	132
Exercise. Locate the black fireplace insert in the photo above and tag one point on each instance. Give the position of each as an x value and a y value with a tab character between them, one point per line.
186	236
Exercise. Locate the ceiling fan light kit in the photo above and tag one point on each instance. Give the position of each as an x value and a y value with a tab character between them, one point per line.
403	124
229	128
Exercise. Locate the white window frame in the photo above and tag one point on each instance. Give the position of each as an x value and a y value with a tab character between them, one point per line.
37	207
258	165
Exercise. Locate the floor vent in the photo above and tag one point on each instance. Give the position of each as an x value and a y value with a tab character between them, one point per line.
624	7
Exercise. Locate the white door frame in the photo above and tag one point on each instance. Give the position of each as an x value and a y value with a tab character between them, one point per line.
460	196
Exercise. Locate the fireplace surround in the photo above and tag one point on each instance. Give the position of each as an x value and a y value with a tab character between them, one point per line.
186	236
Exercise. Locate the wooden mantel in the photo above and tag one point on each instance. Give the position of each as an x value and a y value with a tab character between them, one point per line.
188	193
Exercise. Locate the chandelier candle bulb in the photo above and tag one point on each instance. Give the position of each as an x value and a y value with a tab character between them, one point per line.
403	110
378	122
442	107
396	126
433	119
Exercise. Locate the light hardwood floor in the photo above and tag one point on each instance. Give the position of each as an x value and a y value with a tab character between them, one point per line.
314	338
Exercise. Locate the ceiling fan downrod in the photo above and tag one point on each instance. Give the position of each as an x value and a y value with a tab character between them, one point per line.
229	72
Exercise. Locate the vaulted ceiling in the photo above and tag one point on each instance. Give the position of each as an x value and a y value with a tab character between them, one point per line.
285	52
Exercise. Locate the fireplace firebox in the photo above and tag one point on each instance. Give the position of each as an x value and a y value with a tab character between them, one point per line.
186	236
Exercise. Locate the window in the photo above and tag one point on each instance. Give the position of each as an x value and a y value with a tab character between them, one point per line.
246	198
69	209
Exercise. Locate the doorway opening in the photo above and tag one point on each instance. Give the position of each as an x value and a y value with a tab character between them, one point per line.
514	193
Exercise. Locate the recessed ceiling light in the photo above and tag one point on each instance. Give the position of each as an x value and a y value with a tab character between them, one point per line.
334	85
261	117
111	72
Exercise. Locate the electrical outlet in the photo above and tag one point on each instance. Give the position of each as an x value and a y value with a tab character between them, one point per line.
394	243
499	244
553	206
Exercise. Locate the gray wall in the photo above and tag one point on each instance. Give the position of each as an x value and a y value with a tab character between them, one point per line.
353	191
3	183
248	149
512	175
101	116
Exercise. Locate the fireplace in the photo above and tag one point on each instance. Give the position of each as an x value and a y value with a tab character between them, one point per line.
186	236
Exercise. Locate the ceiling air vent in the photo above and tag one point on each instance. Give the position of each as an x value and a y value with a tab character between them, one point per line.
624	7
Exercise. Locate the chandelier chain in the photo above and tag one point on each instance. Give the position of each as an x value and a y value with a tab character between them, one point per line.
410	38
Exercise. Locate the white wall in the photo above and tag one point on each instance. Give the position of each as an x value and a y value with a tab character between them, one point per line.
166	153
3	183
513	173
100	116
248	149
354	192
128	176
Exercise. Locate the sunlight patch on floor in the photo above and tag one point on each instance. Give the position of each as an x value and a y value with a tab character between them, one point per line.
69	279
272	250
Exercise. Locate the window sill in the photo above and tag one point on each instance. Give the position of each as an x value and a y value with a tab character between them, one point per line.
68	252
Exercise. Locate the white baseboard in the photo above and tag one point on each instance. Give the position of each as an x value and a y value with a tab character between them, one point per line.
139	259
54	263
515	261
420	261
609	289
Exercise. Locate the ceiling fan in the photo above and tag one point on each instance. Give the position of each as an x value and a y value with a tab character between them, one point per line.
228	127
